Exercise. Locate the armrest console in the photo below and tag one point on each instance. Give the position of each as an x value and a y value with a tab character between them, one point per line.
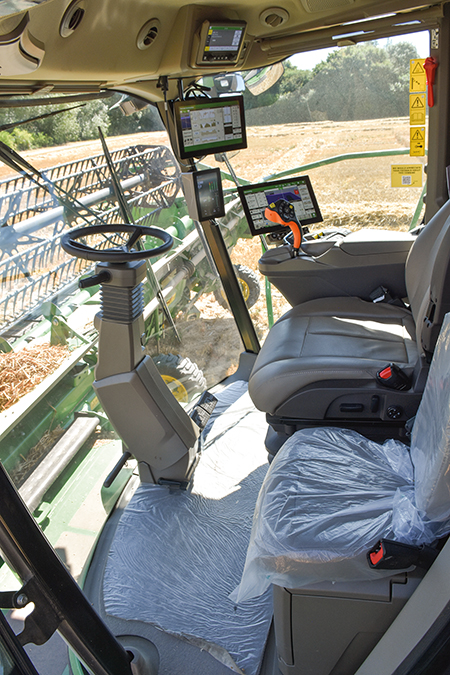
353	265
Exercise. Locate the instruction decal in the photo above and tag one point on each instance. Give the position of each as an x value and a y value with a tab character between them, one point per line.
417	109
406	175
417	75
416	141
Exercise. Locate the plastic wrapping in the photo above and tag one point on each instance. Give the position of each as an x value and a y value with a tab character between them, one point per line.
177	555
430	445
331	494
328	496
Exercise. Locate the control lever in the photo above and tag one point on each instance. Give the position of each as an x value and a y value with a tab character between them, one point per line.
95	279
282	212
430	66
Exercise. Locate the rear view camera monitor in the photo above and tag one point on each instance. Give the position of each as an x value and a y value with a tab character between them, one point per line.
297	191
208	126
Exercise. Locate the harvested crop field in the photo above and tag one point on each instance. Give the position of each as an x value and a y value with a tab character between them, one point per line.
353	193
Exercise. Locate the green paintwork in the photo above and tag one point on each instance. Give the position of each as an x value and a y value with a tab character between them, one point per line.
57	407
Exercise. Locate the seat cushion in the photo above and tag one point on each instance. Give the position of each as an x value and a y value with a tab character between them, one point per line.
330	339
328	497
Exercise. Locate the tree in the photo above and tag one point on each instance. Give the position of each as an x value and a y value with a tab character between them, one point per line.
147	119
262	100
362	82
293	79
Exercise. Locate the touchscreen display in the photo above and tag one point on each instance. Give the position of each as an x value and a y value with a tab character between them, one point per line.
222	43
297	191
209	194
210	125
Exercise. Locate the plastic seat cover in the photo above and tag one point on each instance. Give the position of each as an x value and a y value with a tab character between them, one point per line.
331	494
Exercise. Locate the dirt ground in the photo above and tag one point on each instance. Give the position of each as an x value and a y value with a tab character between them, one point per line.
355	193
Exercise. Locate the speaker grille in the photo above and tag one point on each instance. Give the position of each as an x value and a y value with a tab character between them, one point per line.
325	5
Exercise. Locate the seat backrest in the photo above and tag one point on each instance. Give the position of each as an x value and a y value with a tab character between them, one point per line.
427	273
430	444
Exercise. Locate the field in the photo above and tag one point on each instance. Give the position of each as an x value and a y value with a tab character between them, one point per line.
353	194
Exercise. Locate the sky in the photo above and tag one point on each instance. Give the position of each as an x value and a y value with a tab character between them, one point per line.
308	60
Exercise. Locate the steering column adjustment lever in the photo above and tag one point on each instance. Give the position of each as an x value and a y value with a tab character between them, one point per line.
95	279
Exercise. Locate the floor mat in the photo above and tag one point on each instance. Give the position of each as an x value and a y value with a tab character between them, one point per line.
177	556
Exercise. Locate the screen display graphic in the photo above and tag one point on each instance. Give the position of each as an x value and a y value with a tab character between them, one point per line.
209	126
297	191
220	43
209	194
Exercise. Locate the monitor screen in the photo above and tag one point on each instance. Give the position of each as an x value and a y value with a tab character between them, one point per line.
297	191
222	43
209	194
207	126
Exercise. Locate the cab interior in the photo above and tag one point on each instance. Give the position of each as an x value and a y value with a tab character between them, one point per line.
175	547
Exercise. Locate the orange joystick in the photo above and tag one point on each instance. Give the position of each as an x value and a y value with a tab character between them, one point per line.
282	212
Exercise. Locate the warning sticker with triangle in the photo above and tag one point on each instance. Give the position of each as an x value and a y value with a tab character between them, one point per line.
417	134
417	109
417	101
417	141
417	75
417	66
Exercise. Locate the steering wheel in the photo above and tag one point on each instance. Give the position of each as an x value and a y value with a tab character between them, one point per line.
115	253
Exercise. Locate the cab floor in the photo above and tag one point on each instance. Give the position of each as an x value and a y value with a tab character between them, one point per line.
167	560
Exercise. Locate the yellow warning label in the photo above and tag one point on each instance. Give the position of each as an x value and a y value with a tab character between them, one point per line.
417	109
417	141
417	75
406	175
416	66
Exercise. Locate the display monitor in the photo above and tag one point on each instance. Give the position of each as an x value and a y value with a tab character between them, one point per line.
203	193
209	194
220	43
297	191
207	126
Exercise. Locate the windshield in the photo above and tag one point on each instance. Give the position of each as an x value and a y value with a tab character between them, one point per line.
344	123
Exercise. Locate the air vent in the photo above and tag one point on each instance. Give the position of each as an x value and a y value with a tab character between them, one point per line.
274	17
148	34
72	18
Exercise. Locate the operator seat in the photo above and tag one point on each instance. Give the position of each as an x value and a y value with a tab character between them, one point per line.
320	360
329	496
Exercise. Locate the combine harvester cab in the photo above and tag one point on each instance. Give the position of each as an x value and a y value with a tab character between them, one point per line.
141	517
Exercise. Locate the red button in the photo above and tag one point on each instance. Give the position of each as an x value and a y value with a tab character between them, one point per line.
386	373
376	556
